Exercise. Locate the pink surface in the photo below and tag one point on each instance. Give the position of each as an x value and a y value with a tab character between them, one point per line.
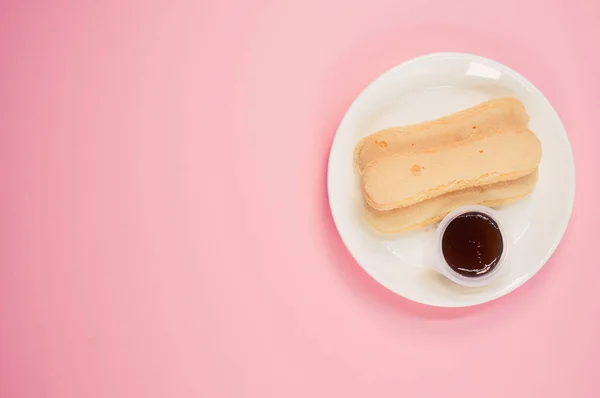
165	228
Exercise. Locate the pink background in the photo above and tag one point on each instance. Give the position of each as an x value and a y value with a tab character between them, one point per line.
165	230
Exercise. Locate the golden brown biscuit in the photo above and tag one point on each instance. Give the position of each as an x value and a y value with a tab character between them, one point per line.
490	117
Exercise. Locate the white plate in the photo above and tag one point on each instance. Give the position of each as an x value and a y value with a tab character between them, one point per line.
425	88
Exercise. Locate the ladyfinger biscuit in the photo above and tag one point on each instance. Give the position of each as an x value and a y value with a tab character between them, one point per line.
490	117
405	179
430	211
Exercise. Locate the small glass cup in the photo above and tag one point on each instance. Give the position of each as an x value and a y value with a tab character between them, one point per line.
441	265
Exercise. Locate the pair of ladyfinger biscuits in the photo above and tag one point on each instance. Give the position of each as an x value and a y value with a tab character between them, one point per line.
413	176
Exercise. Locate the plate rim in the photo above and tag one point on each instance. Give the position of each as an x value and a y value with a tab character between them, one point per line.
528	84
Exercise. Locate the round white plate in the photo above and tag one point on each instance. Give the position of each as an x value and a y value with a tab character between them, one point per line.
422	89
